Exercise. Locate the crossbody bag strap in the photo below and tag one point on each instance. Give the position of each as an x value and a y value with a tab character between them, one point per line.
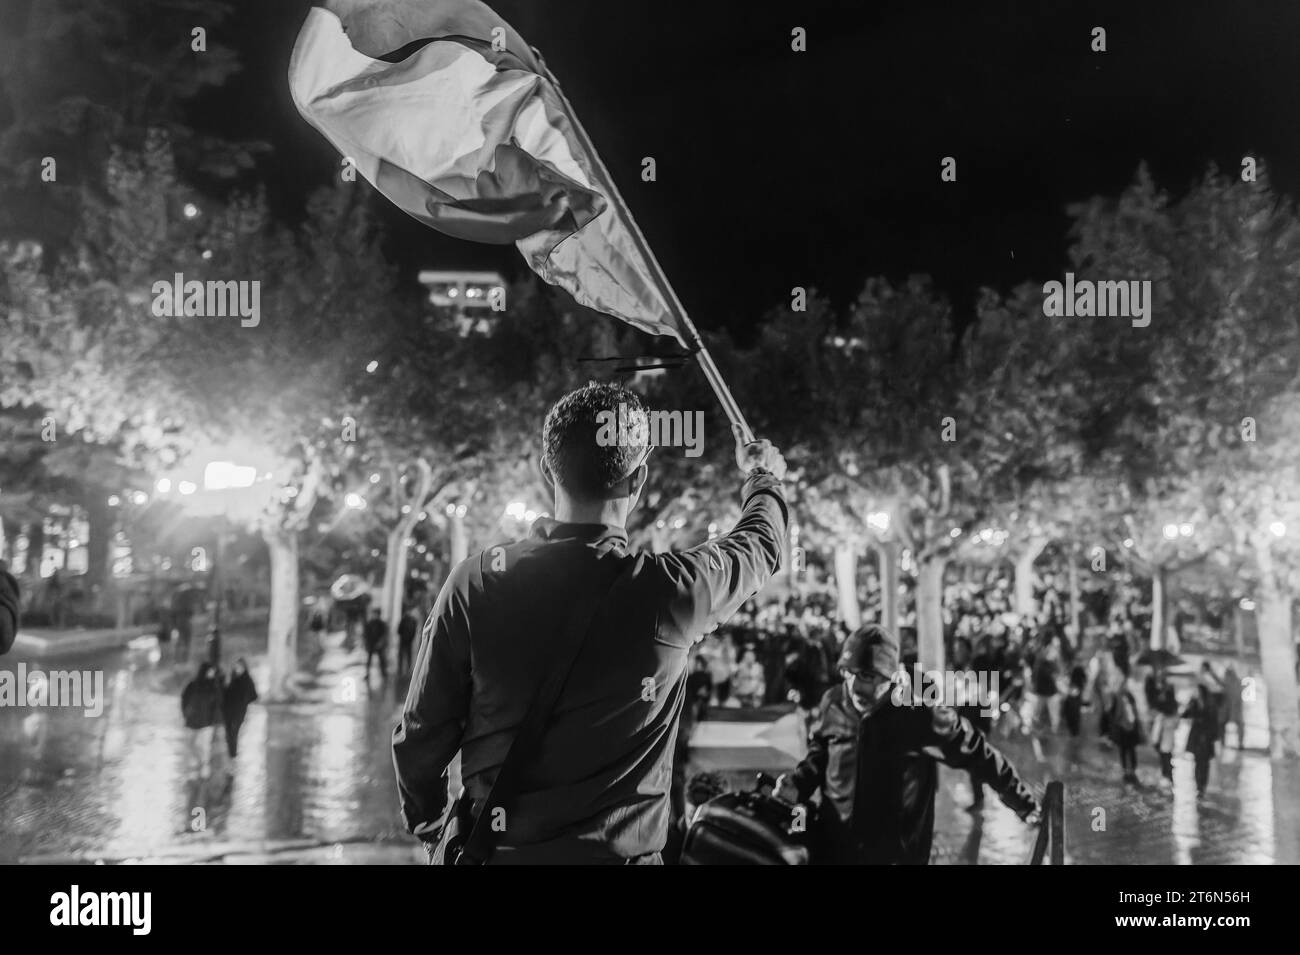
483	838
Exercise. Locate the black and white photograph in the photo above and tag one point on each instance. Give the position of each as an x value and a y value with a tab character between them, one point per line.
574	433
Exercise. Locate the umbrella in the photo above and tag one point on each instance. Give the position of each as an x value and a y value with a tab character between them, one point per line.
1159	658
349	587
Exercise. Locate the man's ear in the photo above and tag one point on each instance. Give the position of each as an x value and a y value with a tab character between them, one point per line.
638	479
544	473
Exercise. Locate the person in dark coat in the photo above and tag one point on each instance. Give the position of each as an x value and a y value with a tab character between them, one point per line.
1204	734
874	754
375	637
407	628
9	596
239	693
1125	726
201	709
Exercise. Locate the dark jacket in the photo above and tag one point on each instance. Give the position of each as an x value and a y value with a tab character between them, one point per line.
598	790
201	702
8	610
407	628
239	693
374	634
878	775
1203	734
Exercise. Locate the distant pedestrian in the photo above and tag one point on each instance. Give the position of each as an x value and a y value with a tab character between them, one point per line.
1164	726
1126	730
201	709
1232	706
1073	706
1203	735
749	684
407	628
239	693
699	689
375	637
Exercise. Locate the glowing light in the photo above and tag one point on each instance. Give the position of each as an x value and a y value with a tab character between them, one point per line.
355	501
187	487
955	532
1128	542
114	501
879	521
530	516
679	523
1247	604
372	367
451	510
191	210
1185	530
1277	529
406	508
516	509
163	486
374	478
207	254
139	498
461	510
224	475
1171	531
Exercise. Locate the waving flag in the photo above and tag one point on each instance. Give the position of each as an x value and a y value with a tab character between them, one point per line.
444	108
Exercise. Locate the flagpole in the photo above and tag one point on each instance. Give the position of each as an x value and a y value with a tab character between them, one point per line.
694	342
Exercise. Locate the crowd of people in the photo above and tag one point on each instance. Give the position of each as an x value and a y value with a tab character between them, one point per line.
1049	677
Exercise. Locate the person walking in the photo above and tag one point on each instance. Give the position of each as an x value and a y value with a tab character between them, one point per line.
375	638
407	628
1125	724
576	647
874	753
1203	735
239	693
201	709
1164	726
1232	705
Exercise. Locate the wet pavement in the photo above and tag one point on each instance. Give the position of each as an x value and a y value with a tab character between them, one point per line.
313	783
1250	815
313	780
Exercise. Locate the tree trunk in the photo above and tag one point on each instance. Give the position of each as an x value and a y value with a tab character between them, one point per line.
929	613
100	518
846	584
888	555
1239	630
35	549
395	567
282	635
1277	660
1158	600
1024	575
1076	604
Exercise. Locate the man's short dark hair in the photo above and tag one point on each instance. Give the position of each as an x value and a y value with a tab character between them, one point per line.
583	466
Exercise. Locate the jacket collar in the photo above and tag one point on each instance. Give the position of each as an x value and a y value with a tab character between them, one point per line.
551	530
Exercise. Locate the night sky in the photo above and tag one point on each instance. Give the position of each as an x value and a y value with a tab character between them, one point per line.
779	168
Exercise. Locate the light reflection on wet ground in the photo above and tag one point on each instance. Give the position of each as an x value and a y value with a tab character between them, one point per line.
314	783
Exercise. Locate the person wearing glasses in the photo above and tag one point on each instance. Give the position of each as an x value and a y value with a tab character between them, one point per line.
874	753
